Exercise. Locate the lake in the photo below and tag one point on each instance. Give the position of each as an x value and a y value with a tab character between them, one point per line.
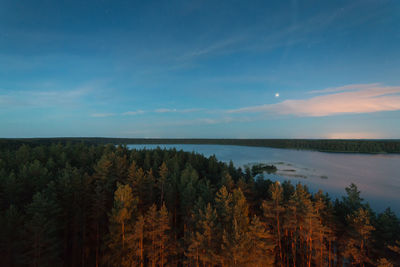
376	175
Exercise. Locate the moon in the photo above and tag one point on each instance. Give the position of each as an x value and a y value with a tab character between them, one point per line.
276	95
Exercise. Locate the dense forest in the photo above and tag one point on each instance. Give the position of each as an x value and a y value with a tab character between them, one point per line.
79	204
325	145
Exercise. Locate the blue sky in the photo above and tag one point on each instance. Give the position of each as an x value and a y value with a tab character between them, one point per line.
200	69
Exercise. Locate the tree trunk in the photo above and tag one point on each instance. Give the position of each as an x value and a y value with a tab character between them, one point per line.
329	253
97	245
141	249
279	237
123	234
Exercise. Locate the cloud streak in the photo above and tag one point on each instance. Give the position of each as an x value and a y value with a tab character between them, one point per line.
165	110
349	87
172	110
102	115
132	113
360	99
348	99
140	112
49	98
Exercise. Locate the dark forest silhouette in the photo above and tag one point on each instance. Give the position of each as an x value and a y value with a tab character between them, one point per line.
325	145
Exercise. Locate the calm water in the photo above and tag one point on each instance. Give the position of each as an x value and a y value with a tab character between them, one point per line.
377	176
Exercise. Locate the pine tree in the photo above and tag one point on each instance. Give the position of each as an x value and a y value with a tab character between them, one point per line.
395	248
151	231
383	262
162	240
11	237
103	168
272	211
261	245
132	174
163	172
137	180
306	218
314	230
135	243
359	235
235	233
290	228
227	181
149	184
121	215
187	191
352	202
223	204
97	216
73	198
157	235
320	231
41	238
223	201
121	167
203	244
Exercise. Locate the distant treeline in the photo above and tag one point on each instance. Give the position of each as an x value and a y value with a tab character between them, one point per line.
325	145
107	205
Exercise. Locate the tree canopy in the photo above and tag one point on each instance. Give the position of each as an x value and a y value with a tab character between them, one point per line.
76	204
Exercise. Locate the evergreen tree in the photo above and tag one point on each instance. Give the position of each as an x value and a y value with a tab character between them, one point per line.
151	233
41	240
135	243
383	262
11	237
203	243
187	190
359	237
320	231
261	245
235	233
162	239
290	228
273	211
97	216
121	167
121	215
163	173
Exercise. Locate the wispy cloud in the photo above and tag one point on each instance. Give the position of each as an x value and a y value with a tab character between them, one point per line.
349	87
140	112
361	99
47	98
197	121
131	113
218	46
264	37
170	110
102	115
165	110
348	99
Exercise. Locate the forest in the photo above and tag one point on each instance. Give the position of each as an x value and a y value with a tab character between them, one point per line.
323	145
80	204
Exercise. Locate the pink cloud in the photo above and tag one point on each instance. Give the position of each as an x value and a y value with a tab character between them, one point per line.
349	87
362	99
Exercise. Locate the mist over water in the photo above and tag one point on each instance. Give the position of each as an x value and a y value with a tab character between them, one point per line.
377	176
